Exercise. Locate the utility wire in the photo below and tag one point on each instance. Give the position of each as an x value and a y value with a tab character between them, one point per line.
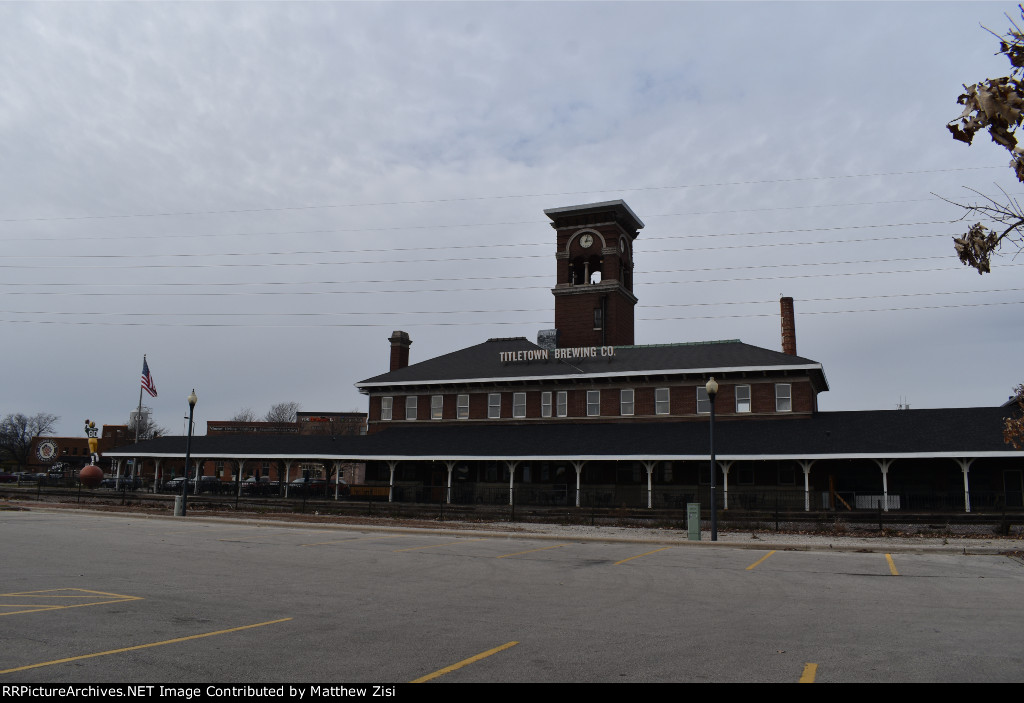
347	313
493	288
323	252
495	322
500	197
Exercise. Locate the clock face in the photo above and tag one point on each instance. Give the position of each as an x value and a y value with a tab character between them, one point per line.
586	240
46	450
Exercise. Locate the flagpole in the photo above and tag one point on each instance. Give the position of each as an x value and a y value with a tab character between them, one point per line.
138	415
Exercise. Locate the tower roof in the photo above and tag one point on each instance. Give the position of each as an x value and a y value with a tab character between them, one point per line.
619	207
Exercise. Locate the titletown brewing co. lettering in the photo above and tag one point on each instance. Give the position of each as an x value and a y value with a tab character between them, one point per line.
566	353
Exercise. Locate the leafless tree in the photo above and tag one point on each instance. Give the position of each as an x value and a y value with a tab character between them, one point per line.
283	412
1013	430
244	415
995	105
17	431
146	427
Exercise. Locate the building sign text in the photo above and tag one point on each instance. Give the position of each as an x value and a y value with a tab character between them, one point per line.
559	353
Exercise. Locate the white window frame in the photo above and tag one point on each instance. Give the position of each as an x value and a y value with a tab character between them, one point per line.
545	404
593	403
411	402
783	397
743	403
519	405
493	406
703	401
436	407
626	405
387	404
563	404
462	407
662	406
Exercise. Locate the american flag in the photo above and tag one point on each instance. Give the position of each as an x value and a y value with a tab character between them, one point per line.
147	379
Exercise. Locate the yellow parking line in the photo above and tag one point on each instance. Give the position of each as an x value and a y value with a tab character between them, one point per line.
36	594
640	555
350	539
431	546
760	560
141	646
529	551
892	566
810	671
28	600
464	662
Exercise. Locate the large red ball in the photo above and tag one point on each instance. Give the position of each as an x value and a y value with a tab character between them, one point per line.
90	476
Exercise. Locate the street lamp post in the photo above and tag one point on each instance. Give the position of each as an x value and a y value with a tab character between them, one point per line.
188	450
712	390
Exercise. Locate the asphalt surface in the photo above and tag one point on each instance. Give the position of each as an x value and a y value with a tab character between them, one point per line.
88	597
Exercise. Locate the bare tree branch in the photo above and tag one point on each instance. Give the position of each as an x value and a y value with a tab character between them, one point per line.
995	105
283	412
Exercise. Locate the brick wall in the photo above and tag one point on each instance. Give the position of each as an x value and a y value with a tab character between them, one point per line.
682	402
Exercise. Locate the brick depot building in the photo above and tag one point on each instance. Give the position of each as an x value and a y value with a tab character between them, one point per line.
584	415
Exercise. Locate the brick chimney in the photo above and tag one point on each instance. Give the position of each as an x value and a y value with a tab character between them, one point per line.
400	343
788	327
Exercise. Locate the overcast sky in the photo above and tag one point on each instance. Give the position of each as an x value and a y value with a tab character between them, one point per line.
256	194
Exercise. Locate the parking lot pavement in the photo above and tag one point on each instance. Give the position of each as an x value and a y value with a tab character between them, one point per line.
93	597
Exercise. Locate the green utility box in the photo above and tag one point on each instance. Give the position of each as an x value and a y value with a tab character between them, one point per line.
693	521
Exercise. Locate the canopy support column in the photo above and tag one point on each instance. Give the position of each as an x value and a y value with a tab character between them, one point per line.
578	465
965	467
391	480
806	466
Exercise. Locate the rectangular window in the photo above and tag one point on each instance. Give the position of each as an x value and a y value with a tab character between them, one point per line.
743	399
593	403
385	408
494	405
783	398
436	407
410	407
661	404
563	404
545	404
462	410
626	401
703	404
518	405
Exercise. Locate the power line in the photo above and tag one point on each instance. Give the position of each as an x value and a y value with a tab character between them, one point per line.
672	270
411	323
498	197
419	260
322	252
487	289
346	313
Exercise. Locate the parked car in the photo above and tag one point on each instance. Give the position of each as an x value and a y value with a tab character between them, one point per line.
308	486
264	486
207	484
7	478
173	485
122	483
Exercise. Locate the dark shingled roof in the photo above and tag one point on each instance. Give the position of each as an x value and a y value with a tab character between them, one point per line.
483	362
878	433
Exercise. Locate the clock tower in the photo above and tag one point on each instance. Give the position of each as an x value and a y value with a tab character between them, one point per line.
593	292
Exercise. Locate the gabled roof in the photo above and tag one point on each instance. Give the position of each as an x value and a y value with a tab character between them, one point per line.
483	363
